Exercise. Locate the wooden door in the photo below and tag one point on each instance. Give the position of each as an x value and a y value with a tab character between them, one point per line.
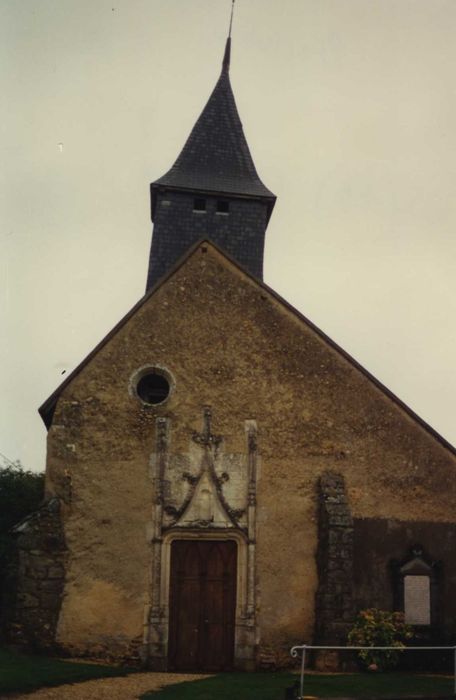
202	605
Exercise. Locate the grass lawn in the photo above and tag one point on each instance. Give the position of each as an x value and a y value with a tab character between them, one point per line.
270	686
23	673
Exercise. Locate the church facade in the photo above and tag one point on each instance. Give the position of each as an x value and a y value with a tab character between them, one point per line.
223	480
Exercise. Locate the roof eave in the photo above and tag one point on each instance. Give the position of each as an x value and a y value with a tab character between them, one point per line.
156	187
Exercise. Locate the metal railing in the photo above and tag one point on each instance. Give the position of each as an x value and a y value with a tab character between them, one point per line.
294	651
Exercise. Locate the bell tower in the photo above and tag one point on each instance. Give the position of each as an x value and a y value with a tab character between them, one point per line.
212	191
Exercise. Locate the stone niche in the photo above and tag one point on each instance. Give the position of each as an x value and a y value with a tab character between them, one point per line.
417	589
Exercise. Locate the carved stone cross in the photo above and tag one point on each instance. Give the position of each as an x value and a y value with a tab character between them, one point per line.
206	437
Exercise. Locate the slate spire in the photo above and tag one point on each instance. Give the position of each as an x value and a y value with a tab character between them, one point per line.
214	165
227	56
216	156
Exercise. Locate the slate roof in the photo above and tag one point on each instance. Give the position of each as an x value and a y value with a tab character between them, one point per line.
216	157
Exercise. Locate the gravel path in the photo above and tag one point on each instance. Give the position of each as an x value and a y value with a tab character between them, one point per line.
127	688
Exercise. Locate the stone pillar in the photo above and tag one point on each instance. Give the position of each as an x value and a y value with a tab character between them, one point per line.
334	600
154	651
246	650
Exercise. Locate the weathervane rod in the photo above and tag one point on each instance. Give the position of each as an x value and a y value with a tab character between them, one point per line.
226	57
231	18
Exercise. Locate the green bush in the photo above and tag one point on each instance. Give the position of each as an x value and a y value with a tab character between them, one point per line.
379	628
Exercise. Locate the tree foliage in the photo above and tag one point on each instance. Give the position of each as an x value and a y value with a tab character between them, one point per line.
21	492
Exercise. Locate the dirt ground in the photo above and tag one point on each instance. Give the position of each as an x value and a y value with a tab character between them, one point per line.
128	688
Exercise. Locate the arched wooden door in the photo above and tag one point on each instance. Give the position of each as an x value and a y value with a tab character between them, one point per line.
202	605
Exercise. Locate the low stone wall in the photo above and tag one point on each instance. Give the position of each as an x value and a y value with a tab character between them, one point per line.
37	578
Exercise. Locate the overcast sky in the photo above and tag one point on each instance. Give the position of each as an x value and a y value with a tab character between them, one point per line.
349	108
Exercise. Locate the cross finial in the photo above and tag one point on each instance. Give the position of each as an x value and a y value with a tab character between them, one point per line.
207	418
206	437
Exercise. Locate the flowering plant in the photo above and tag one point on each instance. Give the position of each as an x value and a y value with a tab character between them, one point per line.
379	628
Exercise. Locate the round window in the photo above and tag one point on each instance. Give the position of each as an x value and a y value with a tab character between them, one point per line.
153	387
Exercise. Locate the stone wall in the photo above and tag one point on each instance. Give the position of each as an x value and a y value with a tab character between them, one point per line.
37	579
231	344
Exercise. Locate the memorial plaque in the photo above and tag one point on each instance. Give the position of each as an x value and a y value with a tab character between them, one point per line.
417	600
